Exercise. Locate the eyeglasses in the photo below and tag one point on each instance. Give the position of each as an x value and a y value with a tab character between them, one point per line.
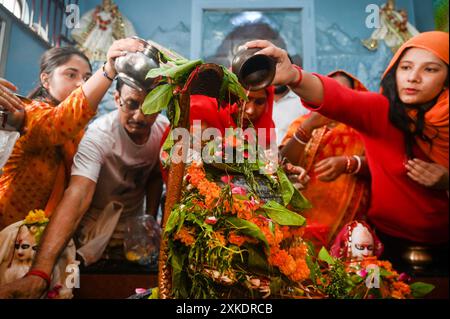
129	106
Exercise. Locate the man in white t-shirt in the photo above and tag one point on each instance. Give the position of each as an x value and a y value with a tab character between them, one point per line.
119	155
115	169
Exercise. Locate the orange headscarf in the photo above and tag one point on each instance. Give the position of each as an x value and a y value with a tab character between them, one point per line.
437	118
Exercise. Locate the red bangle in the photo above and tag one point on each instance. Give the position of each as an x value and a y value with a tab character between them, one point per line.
38	273
349	168
300	73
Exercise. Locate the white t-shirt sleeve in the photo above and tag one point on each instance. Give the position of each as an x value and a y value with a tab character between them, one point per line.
89	158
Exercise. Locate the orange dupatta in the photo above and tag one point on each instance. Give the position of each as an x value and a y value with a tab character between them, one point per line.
437	118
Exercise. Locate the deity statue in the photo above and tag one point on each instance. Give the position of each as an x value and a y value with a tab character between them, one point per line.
355	242
394	28
99	28
24	250
18	245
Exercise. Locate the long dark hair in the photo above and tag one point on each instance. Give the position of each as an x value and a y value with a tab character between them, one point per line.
398	114
50	60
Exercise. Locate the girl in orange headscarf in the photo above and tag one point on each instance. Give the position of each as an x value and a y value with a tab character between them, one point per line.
334	159
405	134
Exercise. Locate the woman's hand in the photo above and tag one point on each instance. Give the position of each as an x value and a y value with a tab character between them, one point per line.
306	85
297	175
329	169
120	48
96	87
285	72
8	101
428	174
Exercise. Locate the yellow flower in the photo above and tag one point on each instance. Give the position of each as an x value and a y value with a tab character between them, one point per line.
36	216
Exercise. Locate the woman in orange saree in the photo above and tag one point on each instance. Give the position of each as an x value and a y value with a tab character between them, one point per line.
333	155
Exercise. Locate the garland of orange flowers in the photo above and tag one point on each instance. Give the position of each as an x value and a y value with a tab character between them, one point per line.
208	189
291	262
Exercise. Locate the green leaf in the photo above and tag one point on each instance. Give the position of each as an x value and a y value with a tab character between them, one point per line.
313	266
233	84
257	260
282	215
248	228
223	88
176	105
182	68
175	219
165	57
385	273
168	143
179	280
326	257
181	61
299	202
158	99
420	289
287	189
161	71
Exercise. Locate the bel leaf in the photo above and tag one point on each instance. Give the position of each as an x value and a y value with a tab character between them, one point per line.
287	189
326	257
282	215
158	99
248	228
420	289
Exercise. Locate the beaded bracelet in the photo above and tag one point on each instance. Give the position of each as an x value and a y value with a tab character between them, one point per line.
41	274
105	74
300	72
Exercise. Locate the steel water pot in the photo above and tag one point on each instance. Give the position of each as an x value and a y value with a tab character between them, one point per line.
133	67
